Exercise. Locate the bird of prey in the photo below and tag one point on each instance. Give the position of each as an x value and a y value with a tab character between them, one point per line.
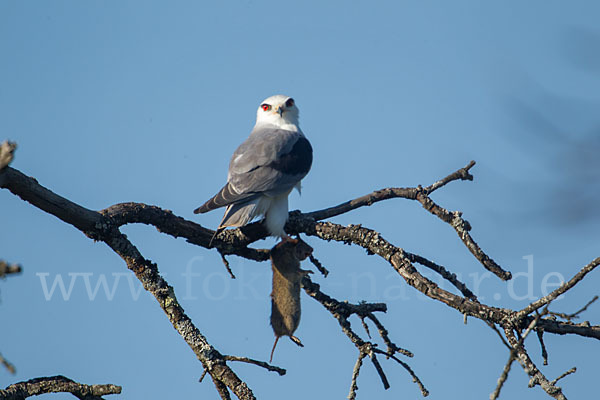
264	169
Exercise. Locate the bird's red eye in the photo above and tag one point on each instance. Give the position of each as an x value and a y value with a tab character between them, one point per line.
289	102
266	107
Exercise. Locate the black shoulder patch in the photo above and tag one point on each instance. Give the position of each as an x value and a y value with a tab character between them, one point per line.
297	161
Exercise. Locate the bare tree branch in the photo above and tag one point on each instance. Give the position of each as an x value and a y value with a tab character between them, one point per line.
88	221
503	377
7	150
389	193
8	365
8	269
444	273
420	194
511	358
99	227
263	364
536	305
57	384
342	311
391	347
537	378
147	273
540	335
407	367
231	241
355	372
374	243
318	265
462	174
462	228
227	266
565	328
104	226
569	372
369	348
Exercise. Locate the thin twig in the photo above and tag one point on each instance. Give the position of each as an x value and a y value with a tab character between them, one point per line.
365	326
342	311
318	265
574	315
226	263
388	193
537	378
407	367
540	335
569	372
503	377
444	273
420	194
462	174
8	365
512	356
462	228
378	368
263	364
203	375
391	346
355	372
541	302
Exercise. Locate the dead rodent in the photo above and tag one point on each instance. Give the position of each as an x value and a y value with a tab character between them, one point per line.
285	297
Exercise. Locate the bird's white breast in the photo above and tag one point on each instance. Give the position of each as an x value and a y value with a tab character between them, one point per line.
277	214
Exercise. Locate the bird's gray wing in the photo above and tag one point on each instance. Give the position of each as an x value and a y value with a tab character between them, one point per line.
270	162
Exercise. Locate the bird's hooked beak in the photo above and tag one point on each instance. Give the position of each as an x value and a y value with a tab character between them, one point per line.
280	110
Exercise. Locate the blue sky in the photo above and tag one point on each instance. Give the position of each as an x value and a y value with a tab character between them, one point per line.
138	101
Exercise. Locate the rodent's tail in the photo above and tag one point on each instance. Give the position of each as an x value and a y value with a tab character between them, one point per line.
273	350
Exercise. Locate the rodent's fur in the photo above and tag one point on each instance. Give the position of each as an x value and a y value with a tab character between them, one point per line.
285	297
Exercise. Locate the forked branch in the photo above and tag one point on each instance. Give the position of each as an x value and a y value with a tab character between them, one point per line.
342	311
104	226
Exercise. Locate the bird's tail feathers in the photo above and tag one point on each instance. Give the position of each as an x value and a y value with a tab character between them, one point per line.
240	214
226	196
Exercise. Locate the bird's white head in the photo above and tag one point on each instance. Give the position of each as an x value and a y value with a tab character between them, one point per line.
278	110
